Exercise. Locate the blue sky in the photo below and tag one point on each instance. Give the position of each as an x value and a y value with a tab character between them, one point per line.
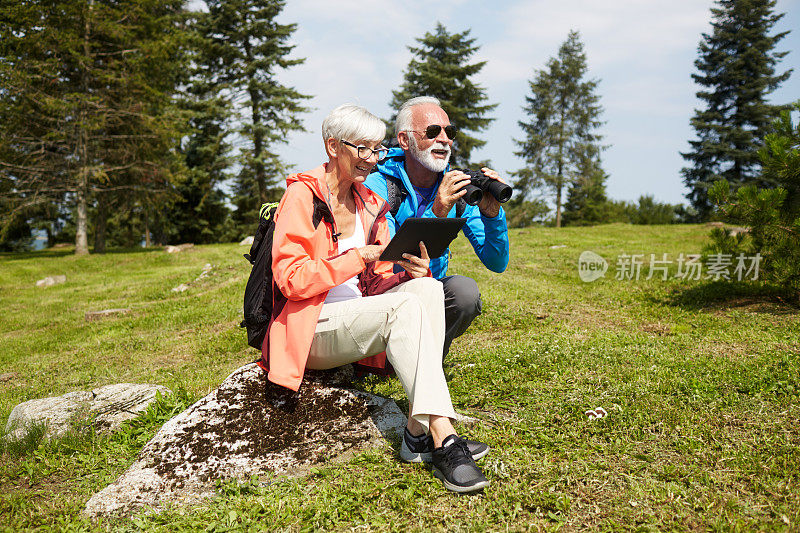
642	51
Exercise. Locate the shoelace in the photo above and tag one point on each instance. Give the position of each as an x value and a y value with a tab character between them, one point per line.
457	453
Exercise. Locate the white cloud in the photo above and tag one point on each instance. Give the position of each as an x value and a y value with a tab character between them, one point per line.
630	33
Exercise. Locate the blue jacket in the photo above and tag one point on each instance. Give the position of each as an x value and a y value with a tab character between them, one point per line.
488	236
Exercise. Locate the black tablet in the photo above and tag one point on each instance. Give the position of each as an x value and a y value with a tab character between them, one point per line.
436	233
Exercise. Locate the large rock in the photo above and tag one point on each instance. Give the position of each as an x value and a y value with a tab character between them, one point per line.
179	248
248	427
49	281
106	407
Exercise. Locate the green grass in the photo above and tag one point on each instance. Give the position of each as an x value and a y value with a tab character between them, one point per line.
701	381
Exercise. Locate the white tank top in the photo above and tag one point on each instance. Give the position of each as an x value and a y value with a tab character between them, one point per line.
349	289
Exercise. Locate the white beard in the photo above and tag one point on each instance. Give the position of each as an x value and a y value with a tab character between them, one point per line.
425	157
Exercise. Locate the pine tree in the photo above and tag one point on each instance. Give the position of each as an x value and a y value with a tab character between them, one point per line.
440	69
246	198
86	106
247	50
587	202
560	139
736	67
771	213
201	215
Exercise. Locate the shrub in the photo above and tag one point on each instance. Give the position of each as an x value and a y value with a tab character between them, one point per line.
521	213
771	214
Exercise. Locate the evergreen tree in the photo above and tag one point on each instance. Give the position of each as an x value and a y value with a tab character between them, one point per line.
247	48
201	215
87	104
771	213
560	142
247	199
440	69
736	67
587	203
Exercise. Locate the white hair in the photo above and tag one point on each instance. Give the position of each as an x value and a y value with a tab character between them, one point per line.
403	120
353	123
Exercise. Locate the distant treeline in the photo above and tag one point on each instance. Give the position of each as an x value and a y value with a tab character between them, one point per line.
130	121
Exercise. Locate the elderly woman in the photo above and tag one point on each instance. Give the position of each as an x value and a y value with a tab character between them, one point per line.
338	303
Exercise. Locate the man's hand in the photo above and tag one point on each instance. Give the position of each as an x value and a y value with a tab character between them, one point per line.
489	206
450	190
371	252
417	267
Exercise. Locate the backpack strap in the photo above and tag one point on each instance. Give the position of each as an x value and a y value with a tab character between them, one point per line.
265	213
395	193
323	212
461	206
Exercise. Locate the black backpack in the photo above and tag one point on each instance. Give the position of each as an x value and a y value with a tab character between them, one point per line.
259	296
258	292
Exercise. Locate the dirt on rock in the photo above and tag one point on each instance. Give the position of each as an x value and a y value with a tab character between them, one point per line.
258	419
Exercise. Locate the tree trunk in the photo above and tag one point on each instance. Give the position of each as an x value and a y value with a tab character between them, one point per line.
100	224
258	146
81	237
558	203
560	176
81	222
146	229
258	135
559	187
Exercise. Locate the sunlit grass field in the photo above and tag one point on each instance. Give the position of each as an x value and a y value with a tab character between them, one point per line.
700	379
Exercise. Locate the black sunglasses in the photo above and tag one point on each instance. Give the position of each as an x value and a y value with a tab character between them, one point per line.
432	131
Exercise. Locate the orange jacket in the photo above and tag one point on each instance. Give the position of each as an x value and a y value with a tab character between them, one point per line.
306	264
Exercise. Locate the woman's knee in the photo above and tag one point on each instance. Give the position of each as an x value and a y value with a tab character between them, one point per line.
407	304
427	287
411	299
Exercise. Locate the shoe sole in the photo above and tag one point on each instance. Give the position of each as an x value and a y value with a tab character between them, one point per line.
482	454
459	488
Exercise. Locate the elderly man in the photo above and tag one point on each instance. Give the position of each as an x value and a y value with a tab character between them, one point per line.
416	180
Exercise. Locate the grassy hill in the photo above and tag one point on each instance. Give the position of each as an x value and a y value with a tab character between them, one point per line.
701	380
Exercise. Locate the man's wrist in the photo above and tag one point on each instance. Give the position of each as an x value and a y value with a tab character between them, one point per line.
439	210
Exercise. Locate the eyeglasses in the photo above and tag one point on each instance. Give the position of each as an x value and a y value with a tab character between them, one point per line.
365	152
432	131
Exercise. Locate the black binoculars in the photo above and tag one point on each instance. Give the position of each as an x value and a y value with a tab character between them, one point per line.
480	183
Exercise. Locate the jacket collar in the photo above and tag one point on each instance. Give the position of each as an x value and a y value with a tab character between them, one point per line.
394	165
314	179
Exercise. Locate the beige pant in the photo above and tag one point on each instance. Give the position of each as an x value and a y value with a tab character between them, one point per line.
408	323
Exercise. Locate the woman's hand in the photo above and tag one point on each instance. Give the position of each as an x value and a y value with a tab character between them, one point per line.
371	252
417	267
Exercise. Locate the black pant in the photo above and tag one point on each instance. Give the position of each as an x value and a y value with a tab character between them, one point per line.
462	303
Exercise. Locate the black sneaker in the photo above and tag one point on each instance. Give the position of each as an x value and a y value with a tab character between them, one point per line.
416	451
453	464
